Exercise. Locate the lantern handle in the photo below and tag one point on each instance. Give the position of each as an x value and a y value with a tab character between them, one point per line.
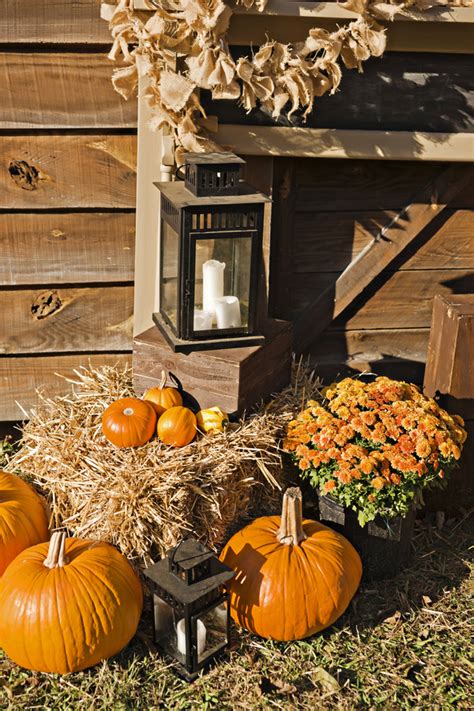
175	550
177	174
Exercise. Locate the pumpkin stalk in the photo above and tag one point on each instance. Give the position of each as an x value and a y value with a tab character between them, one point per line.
163	379
291	528
56	557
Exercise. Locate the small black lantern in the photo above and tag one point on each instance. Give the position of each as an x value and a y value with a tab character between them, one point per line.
191	606
211	244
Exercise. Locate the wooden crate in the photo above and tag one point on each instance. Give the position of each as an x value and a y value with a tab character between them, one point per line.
234	379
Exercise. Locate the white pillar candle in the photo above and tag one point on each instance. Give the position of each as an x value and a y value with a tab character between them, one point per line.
201	637
202	320
228	312
212	283
163	616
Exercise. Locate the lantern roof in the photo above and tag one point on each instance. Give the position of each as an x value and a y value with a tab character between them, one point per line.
163	577
177	193
221	158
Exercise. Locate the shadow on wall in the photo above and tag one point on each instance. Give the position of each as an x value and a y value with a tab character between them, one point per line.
423	92
326	212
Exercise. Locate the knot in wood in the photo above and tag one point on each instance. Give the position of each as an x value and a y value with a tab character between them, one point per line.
26	176
46	304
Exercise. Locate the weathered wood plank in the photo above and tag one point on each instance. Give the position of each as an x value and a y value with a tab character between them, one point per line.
380	252
403	300
371	345
43	90
453	37
59	21
399	369
399	353
342	185
61	320
45	248
21	377
450	363
56	171
329	241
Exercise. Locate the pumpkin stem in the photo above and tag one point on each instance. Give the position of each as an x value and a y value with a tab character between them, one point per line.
291	528
164	377
56	557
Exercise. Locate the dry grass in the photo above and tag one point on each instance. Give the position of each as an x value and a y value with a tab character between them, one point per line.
143	500
403	644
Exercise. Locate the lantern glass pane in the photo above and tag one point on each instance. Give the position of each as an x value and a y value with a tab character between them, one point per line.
170	272
212	631
166	635
222	281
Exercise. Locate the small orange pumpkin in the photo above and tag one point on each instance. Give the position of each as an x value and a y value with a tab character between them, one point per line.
129	422
177	426
162	398
66	606
294	577
23	519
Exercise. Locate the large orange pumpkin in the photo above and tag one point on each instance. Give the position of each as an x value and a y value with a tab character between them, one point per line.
294	577
177	426
162	398
66	606
23	519
129	422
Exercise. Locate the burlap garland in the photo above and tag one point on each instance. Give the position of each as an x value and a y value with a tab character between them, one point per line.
182	48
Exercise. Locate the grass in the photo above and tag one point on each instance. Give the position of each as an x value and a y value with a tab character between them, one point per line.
403	644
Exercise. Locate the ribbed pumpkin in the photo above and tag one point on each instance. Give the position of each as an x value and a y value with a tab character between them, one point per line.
212	420
177	426
23	519
294	577
129	422
162	397
68	605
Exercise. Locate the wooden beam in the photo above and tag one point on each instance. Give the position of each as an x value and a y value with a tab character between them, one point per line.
294	142
379	253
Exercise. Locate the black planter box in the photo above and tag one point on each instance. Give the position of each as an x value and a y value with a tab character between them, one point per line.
383	545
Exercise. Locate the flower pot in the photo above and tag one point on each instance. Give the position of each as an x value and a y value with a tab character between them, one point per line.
383	544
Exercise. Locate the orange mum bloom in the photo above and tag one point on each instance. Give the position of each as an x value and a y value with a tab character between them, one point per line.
329	485
378	482
366	465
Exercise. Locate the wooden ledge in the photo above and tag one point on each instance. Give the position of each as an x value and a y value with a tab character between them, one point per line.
334	11
340	143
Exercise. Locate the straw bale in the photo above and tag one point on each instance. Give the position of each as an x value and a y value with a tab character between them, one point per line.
144	500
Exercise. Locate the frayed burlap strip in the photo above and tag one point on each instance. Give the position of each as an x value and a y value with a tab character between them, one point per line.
186	41
144	500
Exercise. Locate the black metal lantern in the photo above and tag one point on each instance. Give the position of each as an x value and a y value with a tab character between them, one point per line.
211	243
190	603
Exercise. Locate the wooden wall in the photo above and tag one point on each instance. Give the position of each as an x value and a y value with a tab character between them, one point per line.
325	213
67	199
